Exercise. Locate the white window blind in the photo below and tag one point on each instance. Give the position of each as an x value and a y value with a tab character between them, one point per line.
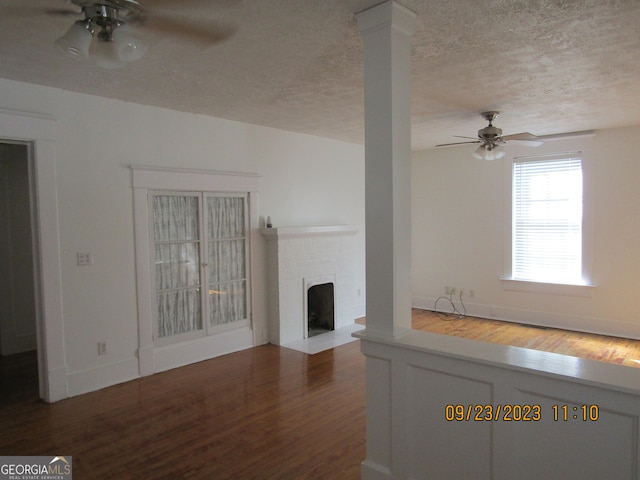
547	220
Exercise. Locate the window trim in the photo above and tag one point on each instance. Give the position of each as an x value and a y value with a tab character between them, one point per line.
584	289
151	357
568	289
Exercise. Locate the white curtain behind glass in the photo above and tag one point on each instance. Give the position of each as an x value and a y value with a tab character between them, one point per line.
226	258
177	264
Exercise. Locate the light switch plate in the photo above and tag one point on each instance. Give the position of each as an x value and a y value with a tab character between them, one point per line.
84	259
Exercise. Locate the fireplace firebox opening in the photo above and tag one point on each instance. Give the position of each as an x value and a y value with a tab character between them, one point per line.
320	309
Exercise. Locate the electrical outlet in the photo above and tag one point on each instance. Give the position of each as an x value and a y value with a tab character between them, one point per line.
472	293
447	290
102	348
453	291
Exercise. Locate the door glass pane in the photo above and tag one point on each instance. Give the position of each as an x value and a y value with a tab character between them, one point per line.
175	218
179	311
227	303
226	260
226	217
227	254
177	264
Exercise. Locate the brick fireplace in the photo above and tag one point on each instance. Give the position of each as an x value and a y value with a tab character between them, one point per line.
299	259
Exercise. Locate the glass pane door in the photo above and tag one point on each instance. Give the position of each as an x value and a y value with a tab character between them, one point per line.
176	238
227	259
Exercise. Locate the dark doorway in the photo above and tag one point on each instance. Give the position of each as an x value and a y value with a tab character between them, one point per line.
18	344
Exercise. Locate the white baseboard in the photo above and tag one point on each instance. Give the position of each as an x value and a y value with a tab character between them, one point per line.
56	387
372	471
156	358
180	354
100	377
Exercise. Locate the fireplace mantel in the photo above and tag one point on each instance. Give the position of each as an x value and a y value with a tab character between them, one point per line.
279	233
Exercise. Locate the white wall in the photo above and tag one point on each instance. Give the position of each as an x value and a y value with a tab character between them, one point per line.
306	180
459	226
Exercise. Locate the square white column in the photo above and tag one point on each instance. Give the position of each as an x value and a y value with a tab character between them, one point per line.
386	30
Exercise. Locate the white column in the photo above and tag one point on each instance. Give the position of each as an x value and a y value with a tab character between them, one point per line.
386	30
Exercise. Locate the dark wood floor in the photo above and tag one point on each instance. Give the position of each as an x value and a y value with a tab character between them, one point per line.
263	413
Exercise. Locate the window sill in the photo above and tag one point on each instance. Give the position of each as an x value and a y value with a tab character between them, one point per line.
582	290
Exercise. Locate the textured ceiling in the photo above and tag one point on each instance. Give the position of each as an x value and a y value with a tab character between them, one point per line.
550	66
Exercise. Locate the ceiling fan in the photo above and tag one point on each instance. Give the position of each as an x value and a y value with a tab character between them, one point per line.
491	139
117	45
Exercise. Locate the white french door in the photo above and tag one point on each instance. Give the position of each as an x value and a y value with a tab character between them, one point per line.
200	249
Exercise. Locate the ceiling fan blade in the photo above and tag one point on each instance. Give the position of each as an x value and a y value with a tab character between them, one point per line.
205	32
172	3
526	143
524	138
520	136
561	136
461	136
65	12
457	143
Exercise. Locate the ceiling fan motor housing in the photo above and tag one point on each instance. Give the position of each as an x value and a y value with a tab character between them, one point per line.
490	134
490	131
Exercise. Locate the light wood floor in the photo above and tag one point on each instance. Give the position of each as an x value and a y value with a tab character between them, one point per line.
263	413
596	347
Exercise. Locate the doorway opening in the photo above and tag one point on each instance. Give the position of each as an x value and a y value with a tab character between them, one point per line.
19	374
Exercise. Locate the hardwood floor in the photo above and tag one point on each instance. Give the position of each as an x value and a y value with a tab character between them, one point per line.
596	347
263	413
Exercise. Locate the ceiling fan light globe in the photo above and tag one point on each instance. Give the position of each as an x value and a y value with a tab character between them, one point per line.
495	153
133	52
129	48
105	54
75	43
479	153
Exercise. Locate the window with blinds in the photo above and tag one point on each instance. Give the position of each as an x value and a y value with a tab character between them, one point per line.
547	219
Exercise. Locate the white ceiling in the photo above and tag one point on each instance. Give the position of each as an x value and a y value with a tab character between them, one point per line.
550	66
